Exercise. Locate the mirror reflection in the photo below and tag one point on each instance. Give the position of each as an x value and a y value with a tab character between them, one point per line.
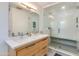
22	21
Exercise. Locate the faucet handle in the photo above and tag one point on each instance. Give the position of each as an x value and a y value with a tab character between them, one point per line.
13	34
18	33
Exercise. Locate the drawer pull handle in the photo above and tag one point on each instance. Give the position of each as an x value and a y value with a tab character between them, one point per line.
44	47
44	39
41	40
33	55
30	45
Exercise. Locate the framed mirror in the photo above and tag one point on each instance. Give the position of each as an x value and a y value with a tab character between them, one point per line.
22	21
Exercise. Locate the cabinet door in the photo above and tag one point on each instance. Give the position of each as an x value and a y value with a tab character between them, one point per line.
42	52
27	51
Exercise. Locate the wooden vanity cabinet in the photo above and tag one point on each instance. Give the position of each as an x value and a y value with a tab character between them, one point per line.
38	48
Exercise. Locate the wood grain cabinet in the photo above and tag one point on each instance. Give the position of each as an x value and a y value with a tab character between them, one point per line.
39	48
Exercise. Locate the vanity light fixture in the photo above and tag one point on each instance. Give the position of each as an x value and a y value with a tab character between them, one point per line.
28	5
22	5
32	10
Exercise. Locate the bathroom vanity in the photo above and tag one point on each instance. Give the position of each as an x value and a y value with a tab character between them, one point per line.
20	44
35	45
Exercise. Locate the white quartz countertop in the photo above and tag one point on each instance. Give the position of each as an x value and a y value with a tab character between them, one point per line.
15	42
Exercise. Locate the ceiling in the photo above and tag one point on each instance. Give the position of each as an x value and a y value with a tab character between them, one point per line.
37	6
43	4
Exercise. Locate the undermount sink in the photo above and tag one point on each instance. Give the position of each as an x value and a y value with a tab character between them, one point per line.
17	41
25	38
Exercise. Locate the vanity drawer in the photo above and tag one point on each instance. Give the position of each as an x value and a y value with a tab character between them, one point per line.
42	43
27	51
42	52
33	49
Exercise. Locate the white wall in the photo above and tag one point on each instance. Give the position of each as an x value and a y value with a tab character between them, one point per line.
3	27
